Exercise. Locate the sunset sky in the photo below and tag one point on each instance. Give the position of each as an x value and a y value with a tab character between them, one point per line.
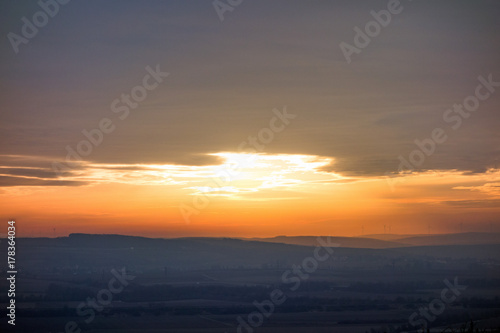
254	125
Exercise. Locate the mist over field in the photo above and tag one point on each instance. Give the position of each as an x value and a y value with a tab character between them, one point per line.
114	283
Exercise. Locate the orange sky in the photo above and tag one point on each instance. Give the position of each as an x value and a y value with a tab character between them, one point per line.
266	195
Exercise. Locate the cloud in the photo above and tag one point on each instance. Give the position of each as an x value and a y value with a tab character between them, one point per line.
492	189
473	203
29	172
6	181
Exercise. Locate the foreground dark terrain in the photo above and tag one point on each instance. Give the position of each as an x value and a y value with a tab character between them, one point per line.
111	283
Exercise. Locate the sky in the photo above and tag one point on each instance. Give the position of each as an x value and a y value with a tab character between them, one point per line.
202	118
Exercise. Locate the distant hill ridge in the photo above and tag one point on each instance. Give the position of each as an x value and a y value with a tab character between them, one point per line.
351	242
393	241
87	250
364	242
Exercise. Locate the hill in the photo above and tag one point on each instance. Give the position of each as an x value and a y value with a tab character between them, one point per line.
351	242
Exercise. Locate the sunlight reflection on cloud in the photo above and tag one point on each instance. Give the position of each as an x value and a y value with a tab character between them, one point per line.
248	173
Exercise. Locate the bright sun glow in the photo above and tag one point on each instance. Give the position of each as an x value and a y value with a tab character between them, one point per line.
243	173
239	173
